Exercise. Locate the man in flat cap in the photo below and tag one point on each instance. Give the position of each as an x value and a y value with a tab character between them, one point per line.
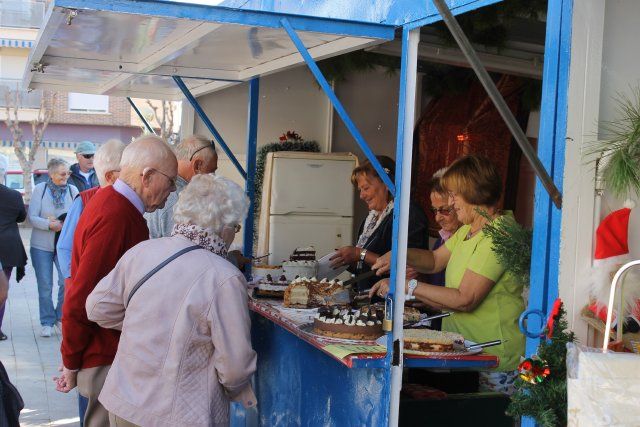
83	176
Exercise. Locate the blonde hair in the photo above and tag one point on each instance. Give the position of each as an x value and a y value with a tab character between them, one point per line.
476	179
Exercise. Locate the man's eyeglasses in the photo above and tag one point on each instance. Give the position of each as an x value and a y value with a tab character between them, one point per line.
87	156
443	210
172	181
211	144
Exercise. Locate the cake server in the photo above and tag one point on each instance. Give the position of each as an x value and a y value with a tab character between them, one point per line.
261	256
359	278
485	344
425	321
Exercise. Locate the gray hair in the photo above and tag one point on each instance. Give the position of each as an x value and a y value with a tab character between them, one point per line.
54	163
211	202
107	159
4	165
192	144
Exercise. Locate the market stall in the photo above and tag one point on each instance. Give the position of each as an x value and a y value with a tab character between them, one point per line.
163	49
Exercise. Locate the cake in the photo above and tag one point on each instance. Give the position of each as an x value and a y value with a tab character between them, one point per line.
309	293
270	288
432	341
303	254
262	270
302	262
364	323
411	315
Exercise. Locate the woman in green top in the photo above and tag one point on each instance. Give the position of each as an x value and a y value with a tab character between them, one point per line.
486	299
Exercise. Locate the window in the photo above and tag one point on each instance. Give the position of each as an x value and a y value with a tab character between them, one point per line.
85	103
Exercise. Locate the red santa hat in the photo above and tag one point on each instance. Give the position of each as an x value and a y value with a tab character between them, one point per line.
612	249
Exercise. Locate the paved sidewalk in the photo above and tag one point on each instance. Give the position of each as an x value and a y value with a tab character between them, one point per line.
32	361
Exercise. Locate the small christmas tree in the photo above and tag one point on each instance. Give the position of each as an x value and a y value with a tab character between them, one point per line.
544	396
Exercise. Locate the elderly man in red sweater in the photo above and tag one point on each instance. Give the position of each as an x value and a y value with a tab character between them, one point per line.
110	224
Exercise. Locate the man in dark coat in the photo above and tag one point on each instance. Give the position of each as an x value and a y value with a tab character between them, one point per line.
83	175
12	253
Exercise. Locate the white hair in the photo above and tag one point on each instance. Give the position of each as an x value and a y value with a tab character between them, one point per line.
137	154
55	163
194	145
107	159
4	165
211	202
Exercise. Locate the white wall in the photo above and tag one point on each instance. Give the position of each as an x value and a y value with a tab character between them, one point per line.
289	100
603	62
371	100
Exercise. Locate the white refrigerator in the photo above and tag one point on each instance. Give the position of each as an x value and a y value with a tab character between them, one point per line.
307	200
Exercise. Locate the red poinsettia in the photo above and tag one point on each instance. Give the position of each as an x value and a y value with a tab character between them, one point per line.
290	136
553	316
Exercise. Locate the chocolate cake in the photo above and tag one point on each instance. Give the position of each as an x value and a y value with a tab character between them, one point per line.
303	254
309	293
431	341
364	323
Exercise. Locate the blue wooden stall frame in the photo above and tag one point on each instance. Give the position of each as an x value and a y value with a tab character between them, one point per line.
551	145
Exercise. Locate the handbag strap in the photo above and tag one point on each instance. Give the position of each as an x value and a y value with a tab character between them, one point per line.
157	268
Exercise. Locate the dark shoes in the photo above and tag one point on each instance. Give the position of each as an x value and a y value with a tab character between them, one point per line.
2	336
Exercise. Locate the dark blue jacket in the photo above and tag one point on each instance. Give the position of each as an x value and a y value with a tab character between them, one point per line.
80	182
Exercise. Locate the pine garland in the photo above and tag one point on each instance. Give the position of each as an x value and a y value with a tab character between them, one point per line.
512	245
547	402
283	145
620	149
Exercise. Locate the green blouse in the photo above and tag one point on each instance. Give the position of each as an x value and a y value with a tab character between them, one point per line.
497	315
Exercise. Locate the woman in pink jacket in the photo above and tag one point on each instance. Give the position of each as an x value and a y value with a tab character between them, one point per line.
185	349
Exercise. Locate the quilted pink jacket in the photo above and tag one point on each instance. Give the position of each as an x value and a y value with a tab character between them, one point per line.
185	349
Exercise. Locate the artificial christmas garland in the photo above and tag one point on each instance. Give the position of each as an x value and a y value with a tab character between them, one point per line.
541	389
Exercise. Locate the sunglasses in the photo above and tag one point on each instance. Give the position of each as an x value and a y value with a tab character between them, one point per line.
444	210
211	144
87	156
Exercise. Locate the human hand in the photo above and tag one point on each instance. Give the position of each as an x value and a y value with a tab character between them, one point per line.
55	225
239	258
411	273
66	381
346	255
382	264
381	288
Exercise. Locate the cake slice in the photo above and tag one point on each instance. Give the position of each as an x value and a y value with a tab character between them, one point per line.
432	341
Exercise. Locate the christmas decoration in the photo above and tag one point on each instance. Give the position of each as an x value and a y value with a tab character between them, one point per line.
611	251
546	400
533	370
619	152
512	246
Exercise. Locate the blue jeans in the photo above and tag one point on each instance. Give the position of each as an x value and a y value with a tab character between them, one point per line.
43	262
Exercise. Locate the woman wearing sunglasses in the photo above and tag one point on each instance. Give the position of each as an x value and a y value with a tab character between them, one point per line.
485	298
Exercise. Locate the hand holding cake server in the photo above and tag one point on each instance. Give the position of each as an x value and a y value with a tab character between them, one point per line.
485	298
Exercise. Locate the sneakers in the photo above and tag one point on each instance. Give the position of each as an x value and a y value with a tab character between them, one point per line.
45	331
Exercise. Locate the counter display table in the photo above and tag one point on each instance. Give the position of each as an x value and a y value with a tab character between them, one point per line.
306	379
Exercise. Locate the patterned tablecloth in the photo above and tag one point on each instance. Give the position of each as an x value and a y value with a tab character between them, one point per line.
347	352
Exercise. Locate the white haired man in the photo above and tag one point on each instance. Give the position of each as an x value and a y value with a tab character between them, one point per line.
107	166
111	223
196	155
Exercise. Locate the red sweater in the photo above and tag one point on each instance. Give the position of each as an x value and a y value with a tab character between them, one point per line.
108	227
